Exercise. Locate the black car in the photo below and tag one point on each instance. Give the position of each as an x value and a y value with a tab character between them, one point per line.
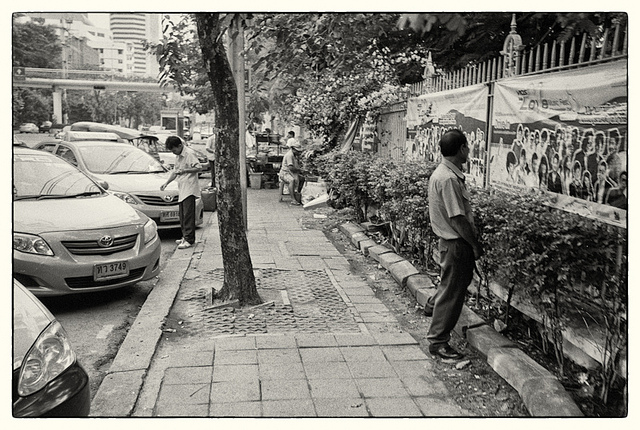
47	380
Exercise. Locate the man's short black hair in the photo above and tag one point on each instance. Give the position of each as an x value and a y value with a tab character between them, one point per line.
173	142
292	134
451	142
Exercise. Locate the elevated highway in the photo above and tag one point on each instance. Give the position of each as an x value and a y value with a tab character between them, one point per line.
59	80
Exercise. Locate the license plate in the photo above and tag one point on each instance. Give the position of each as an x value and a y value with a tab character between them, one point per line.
117	269
167	216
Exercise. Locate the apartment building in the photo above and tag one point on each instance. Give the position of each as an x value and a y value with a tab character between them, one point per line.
118	47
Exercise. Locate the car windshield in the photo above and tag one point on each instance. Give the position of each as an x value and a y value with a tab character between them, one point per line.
40	176
116	159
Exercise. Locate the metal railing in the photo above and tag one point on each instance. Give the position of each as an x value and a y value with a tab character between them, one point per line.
546	58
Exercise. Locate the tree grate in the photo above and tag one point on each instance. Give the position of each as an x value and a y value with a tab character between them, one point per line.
306	302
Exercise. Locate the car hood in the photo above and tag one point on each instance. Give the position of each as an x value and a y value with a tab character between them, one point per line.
137	183
49	215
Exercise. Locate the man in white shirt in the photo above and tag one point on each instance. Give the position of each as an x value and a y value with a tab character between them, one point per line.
185	170
211	155
290	171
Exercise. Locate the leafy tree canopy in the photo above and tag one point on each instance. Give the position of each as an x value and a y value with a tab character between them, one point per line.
458	39
35	45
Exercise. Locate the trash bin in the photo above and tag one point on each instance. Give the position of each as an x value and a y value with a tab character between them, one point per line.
209	199
255	180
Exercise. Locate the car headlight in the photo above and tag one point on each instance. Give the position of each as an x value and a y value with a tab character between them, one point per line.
125	197
49	356
150	231
31	244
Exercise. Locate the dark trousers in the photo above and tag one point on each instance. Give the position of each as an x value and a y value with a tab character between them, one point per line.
212	164
187	209
456	268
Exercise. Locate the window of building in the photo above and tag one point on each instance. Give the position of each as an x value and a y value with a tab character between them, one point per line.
119	61
101	50
119	51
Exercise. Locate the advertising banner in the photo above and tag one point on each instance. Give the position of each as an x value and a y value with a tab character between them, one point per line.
565	133
431	115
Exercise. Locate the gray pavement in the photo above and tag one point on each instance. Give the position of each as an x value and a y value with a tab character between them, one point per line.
321	345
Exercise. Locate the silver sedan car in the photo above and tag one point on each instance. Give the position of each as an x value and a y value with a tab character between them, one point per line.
70	235
128	173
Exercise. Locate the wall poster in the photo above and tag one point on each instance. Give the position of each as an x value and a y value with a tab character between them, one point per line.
431	115
565	133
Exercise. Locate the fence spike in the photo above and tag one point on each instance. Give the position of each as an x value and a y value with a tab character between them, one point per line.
572	51
605	42
545	55
616	40
583	46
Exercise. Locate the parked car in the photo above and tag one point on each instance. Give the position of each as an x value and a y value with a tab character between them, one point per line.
28	127
145	141
45	127
18	142
70	235
47	379
130	174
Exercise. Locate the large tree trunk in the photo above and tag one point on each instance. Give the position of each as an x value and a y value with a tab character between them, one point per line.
239	281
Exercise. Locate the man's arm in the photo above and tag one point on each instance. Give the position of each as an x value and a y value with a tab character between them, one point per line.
170	179
463	228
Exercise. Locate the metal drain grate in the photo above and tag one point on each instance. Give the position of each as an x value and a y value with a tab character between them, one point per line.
312	305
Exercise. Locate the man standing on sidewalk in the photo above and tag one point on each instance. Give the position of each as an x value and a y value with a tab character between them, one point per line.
452	221
211	155
289	174
186	169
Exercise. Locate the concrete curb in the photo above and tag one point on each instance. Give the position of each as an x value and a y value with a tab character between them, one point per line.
540	391
119	390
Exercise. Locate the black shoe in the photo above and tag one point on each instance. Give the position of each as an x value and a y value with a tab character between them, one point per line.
428	312
446	352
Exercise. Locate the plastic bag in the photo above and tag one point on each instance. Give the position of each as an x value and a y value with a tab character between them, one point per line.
313	190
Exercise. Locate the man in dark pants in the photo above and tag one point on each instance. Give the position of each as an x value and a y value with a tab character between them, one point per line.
186	169
452	221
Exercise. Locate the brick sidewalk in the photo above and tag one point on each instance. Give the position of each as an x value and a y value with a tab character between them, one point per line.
322	346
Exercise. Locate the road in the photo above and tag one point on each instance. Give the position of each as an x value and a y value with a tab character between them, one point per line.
97	323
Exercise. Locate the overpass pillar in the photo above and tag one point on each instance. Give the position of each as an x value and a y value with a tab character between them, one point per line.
57	105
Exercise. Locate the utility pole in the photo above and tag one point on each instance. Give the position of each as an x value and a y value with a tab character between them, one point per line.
236	54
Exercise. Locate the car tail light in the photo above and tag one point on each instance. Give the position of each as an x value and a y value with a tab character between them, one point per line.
50	355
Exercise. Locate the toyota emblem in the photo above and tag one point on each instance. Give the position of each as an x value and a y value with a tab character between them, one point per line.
168	199
105	241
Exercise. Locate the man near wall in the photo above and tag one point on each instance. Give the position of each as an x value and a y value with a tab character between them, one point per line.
452	221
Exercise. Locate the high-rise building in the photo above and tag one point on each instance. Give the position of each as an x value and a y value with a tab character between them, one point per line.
135	29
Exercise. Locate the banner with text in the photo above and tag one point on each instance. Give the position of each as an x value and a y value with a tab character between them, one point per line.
431	115
565	133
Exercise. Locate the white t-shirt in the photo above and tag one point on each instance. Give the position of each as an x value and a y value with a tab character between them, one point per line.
188	184
211	145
